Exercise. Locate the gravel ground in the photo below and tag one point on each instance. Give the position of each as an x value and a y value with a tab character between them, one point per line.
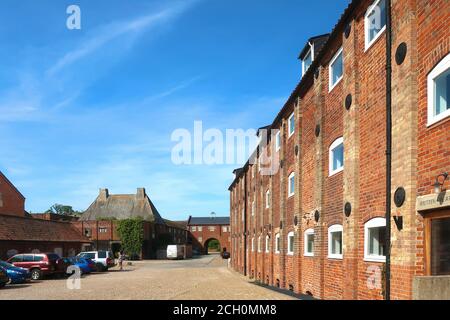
204	278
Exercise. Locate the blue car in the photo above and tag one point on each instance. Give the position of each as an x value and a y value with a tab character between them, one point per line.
15	274
85	265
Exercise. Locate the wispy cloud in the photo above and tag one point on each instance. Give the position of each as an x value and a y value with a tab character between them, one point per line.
108	33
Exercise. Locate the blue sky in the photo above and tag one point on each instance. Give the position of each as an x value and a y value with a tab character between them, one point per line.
96	107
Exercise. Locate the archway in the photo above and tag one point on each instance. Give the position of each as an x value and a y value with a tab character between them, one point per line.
212	245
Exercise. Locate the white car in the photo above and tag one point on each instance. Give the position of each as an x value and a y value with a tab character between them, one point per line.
103	259
175	252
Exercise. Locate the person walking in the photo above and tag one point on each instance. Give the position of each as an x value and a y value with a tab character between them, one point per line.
121	258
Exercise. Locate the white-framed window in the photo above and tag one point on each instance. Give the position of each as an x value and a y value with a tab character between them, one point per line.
102	230
278	141
309	243
253	244
336	156
194	228
291	184
291	124
375	22
200	239
253	208
290	241
259	244
439	92
336	69
267	244
335	233
224	229
267	199
277	243
200	228
308	59
374	240
212	228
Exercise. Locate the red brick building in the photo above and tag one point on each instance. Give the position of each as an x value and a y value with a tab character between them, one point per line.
100	221
352	212
20	233
205	229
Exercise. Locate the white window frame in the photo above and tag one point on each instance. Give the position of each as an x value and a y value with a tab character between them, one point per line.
253	208
267	244
193	228
290	251
310	52
369	43
306	253
330	69
373	223
333	146
291	118
259	244
278	141
200	228
277	247
333	229
436	72
267	199
291	192
253	244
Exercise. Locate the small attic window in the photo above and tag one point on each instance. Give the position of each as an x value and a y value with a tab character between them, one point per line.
308	59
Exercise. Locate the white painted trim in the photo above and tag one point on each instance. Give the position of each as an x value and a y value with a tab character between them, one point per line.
277	248
267	199
253	244
336	143
278	141
374	223
259	244
291	192
305	242
369	43
311	52
436	72
333	229
330	70
267	244
291	117
289	251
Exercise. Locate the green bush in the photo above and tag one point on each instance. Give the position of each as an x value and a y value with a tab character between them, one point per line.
131	232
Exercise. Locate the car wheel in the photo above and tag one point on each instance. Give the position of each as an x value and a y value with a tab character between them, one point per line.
36	274
2	284
99	267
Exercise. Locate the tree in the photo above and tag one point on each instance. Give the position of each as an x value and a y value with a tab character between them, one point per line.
131	232
62	210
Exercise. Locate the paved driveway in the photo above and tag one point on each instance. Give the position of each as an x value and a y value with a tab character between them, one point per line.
202	278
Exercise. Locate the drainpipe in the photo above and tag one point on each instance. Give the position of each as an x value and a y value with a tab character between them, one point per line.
245	223
388	147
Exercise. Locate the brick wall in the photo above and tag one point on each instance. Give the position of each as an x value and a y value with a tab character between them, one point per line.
11	200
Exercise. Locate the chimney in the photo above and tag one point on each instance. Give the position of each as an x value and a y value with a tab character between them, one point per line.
140	193
103	195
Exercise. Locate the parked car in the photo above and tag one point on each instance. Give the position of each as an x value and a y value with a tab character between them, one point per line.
175	252
3	277
102	259
86	265
225	255
15	274
40	265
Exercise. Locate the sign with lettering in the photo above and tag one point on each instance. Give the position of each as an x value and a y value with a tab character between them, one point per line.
433	201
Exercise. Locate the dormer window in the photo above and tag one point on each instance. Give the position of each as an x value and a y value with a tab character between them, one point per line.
308	60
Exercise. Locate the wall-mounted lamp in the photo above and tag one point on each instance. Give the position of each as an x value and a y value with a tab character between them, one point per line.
440	182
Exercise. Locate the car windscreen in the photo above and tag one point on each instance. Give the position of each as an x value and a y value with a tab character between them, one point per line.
87	255
5	264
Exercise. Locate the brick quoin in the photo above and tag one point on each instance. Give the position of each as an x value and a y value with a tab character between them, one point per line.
420	153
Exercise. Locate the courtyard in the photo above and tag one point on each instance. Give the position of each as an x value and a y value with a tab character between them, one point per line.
201	278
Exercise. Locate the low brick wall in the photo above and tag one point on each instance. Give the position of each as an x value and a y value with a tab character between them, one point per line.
431	288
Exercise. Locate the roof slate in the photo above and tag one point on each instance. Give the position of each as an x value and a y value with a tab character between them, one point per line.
209	221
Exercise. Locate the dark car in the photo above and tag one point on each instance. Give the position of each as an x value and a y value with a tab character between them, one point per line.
3	277
40	264
15	274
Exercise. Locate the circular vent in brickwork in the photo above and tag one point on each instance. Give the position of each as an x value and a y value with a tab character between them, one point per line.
348	101
347	31
348	209
401	52
317	216
317	130
399	197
